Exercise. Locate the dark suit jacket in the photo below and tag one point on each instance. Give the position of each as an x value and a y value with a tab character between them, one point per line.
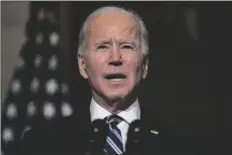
69	136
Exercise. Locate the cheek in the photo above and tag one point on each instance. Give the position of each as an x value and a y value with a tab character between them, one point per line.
94	66
135	69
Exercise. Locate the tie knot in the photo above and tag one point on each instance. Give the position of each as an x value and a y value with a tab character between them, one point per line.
113	119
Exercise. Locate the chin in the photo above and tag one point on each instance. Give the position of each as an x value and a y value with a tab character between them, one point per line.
116	96
112	94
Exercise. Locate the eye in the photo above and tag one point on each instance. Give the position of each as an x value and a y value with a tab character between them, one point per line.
102	47
127	47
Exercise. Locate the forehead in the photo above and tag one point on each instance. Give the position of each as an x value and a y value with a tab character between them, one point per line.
113	24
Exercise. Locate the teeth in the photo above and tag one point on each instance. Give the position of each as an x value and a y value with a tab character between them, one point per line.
114	80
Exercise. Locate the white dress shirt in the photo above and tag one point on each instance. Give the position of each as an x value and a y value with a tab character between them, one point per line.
129	115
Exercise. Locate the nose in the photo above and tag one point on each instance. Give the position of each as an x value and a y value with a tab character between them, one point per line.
115	57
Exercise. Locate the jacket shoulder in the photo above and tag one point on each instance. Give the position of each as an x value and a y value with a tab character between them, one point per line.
55	136
166	139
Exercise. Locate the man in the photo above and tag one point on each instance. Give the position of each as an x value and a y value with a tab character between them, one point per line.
113	56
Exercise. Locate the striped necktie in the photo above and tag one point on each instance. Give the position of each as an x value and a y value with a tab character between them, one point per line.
114	143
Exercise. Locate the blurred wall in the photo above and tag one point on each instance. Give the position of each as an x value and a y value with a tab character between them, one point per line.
14	16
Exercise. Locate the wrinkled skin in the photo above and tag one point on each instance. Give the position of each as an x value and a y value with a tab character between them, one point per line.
113	46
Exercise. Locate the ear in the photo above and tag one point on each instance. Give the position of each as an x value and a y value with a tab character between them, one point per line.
145	66
82	66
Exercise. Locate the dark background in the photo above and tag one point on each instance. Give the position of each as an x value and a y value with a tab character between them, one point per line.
188	80
188	87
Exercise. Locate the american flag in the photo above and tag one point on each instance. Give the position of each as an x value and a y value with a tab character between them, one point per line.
38	88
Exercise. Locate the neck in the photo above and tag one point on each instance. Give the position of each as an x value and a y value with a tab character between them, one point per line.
116	105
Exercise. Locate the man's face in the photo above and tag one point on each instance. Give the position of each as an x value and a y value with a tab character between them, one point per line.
113	62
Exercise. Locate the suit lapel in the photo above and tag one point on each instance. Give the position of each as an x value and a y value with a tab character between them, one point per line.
152	141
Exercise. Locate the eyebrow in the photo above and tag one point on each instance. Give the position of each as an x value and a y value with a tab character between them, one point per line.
103	42
133	42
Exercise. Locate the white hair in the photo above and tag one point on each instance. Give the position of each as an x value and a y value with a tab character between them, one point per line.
113	9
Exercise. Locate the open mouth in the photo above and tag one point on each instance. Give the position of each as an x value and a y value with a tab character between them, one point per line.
115	77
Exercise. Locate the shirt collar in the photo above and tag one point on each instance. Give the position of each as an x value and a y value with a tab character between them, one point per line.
129	115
